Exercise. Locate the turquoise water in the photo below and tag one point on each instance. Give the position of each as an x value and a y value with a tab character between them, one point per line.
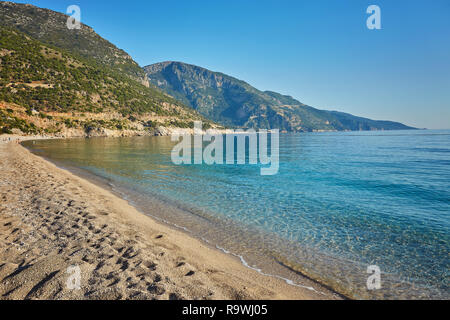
340	202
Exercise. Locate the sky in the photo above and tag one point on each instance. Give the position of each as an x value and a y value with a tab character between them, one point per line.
318	51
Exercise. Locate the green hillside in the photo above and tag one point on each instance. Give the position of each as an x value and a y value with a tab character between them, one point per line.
43	71
50	28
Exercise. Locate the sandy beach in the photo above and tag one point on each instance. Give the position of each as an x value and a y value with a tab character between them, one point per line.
51	220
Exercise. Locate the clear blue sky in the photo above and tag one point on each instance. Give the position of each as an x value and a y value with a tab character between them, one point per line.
317	51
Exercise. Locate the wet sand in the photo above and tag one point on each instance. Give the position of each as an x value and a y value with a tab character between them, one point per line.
51	220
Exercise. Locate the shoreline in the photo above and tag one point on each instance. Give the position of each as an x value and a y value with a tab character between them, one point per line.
225	274
306	281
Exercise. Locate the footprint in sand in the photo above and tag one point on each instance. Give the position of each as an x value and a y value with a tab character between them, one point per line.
150	265
154	289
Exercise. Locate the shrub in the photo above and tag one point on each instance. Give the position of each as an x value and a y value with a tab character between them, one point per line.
6	130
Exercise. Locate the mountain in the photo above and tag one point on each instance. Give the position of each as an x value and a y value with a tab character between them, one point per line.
233	102
53	79
50	27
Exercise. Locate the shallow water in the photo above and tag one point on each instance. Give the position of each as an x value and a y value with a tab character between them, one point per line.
340	202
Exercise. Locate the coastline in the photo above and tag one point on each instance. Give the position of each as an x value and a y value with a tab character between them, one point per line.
122	253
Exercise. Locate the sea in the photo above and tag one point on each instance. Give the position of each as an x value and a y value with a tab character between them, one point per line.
365	214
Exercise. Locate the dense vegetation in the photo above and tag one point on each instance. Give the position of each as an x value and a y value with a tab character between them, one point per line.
45	78
235	103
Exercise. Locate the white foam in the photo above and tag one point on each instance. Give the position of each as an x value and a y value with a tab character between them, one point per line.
245	264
